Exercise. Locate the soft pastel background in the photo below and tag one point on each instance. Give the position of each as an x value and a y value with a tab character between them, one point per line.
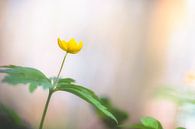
131	47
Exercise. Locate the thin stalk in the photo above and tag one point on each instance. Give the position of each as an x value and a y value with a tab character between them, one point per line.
50	93
45	109
57	79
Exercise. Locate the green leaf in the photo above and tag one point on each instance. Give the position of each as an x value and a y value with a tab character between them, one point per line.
135	126
147	123
85	94
138	126
150	122
180	128
66	80
25	75
9	119
120	115
8	112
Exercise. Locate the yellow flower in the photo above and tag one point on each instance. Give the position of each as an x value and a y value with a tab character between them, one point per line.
71	46
190	78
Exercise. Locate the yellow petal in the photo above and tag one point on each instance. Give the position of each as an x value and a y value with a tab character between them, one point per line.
80	45
60	43
64	45
77	48
71	45
72	41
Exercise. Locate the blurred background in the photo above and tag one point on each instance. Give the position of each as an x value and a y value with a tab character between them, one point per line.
131	48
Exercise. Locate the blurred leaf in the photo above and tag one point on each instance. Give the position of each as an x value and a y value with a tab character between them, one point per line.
146	123
13	116
10	120
180	128
120	115
25	75
86	94
151	123
178	95
138	126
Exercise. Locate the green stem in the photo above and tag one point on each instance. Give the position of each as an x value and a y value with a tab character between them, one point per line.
56	81
50	93
45	109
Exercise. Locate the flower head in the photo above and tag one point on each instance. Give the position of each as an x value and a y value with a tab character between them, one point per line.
190	78
72	46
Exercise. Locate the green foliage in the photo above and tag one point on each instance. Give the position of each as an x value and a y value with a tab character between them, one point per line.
10	120
25	75
180	128
120	115
150	122
178	95
137	126
66	81
84	93
33	77
147	123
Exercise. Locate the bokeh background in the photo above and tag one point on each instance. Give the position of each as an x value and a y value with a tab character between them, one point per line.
131	47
